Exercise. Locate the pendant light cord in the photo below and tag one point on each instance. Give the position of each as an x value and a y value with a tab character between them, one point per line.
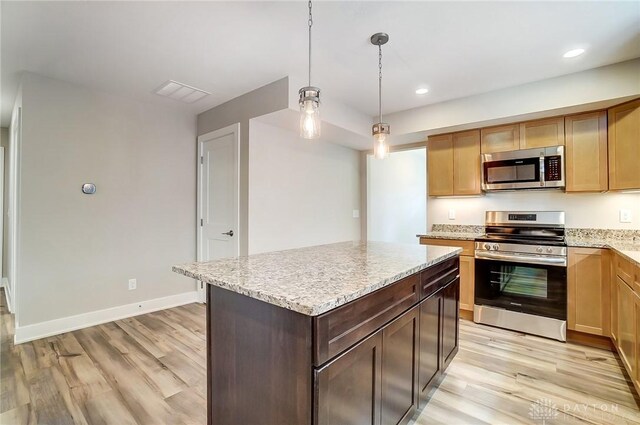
310	25
380	82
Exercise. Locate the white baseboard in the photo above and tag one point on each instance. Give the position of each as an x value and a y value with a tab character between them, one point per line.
7	293
85	320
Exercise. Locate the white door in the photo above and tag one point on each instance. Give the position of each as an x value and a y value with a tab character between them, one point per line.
218	195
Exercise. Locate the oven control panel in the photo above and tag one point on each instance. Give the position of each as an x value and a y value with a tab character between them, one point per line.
522	248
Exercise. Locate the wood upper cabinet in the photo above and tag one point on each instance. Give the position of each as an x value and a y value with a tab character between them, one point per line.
348	389
542	133
453	164
500	139
440	165
399	384
588	291
466	163
624	146
467	282
586	153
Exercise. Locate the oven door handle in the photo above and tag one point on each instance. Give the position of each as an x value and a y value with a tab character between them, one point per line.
522	258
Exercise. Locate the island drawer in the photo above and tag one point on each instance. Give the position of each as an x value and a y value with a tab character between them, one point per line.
438	276
342	327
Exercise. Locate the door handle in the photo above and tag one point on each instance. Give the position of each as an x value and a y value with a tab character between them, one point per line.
229	233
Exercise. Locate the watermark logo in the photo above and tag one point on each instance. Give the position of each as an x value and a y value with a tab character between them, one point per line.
543	410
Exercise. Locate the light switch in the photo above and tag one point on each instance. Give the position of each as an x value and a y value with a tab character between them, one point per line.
625	216
452	214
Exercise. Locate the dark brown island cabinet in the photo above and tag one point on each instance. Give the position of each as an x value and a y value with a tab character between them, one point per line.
375	360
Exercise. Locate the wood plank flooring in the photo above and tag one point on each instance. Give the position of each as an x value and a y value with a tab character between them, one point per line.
151	370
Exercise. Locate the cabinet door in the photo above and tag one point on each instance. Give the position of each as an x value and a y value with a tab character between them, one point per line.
440	165
500	139
636	377
588	299
466	163
467	282
613	284
624	146
430	349
586	137
400	368
626	327
347	390
542	133
450	316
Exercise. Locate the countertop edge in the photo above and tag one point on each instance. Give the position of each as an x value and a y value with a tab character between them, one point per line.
321	308
451	236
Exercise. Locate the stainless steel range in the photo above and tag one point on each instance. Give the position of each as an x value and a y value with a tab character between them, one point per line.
521	273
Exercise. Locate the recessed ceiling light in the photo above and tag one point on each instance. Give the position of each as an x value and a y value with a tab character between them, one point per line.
573	53
181	91
422	91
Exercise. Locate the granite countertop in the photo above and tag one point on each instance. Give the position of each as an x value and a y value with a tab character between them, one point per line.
460	236
628	248
317	279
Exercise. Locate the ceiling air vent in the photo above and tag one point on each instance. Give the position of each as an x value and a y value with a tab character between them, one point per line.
180	91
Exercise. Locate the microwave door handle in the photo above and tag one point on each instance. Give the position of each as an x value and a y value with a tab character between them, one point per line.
541	170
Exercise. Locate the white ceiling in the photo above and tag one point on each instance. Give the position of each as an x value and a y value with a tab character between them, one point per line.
455	48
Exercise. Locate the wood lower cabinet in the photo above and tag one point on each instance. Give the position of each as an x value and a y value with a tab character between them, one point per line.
636	378
348	388
500	139
624	146
626	327
542	133
586	154
613	285
588	291
440	165
430	336
450	322
467	282
399	382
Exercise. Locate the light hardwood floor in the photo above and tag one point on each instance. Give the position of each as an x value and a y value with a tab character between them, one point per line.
151	370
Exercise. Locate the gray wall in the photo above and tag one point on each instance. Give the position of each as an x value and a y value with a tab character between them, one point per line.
4	142
77	252
270	98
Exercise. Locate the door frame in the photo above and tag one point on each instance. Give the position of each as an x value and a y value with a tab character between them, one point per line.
233	129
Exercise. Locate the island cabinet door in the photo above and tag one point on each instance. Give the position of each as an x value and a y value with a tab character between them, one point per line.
430	352
400	368
450	316
348	390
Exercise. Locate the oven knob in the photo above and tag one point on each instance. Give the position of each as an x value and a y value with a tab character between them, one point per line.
495	247
539	249
549	250
486	246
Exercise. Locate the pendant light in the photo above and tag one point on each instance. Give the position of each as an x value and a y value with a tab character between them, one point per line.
380	130
309	100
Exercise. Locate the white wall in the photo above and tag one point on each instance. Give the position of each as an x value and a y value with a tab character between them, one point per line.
616	81
397	196
301	192
595	210
77	252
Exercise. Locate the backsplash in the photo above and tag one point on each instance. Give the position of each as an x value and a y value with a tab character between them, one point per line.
457	228
617	234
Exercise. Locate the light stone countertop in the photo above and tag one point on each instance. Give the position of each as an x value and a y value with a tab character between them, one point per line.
460	236
317	279
627	248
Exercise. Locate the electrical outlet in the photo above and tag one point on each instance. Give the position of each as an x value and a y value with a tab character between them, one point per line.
133	284
356	213
625	216
452	214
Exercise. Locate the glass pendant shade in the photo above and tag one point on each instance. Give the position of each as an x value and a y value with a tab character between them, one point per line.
381	133
309	112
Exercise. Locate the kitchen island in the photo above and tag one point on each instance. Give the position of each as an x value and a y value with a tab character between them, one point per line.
347	333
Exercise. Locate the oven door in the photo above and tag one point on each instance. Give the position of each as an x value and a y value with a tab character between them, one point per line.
539	289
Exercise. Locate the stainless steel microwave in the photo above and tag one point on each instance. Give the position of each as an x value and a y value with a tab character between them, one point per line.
539	168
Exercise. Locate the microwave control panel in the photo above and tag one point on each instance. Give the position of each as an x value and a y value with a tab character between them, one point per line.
553	168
